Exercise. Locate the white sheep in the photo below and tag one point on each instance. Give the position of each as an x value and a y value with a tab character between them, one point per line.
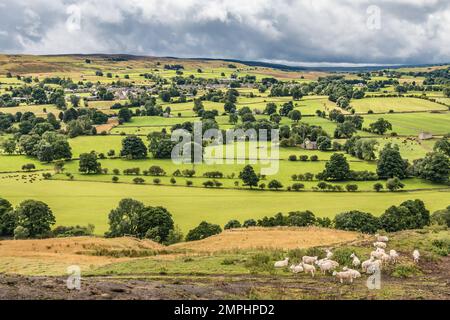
344	275
377	254
385	258
379	244
356	262
296	268
374	266
416	256
327	266
309	260
381	238
329	254
282	264
309	268
394	256
367	263
334	263
355	273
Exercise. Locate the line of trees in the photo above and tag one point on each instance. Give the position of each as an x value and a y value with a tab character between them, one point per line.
411	214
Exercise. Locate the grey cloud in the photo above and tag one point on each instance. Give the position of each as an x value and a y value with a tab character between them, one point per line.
311	31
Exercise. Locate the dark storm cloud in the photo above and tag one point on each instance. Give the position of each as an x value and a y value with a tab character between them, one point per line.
289	31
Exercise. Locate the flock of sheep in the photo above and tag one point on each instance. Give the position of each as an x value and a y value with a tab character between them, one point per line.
31	178
377	259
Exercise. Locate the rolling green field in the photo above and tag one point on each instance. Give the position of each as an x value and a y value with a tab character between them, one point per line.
384	105
89	198
90	202
415	123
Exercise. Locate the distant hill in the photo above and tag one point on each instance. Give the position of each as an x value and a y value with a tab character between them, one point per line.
75	62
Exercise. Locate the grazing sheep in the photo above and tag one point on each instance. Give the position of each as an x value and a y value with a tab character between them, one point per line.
308	268
344	275
367	263
334	263
355	273
356	262
327	266
296	268
385	258
416	256
309	260
282	264
378	244
374	266
394	256
370	266
329	254
377	254
381	238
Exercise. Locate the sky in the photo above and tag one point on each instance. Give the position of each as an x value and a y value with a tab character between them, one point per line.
293	32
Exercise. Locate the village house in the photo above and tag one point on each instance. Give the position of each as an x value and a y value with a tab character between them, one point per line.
309	145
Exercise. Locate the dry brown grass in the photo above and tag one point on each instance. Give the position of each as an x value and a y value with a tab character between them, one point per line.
107	127
53	256
50	256
273	238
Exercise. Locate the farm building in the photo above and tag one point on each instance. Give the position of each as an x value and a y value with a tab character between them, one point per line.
309	145
425	136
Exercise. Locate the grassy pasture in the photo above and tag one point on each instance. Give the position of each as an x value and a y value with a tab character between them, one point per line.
87	202
384	105
366	186
415	123
410	150
38	110
15	163
100	144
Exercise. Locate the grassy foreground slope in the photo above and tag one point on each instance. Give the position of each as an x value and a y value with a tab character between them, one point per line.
127	268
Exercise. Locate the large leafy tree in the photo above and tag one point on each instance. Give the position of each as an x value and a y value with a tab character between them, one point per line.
125	114
365	149
443	145
161	148
249	176
36	217
133	218
204	230
286	108
133	148
434	167
48	147
345	130
323	143
270	109
9	146
7	218
391	163
442	217
336	169
381	126
89	164
301	219
295	115
356	221
409	215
